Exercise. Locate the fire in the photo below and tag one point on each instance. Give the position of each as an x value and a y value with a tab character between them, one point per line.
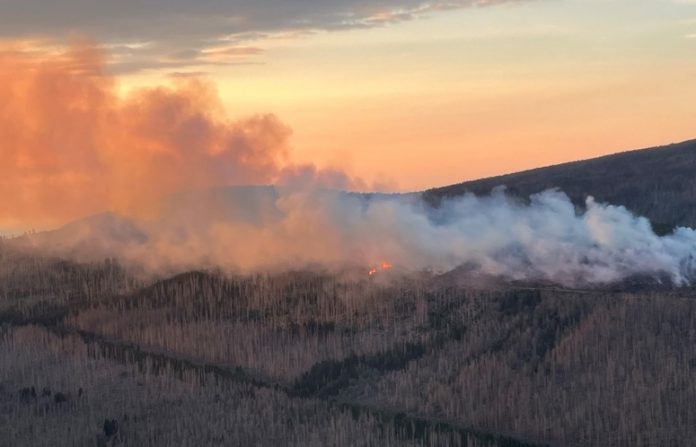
384	265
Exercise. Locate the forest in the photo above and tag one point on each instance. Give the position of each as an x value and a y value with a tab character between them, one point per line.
99	354
223	223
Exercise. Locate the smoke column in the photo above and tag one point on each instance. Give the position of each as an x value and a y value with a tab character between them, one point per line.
71	146
165	161
264	228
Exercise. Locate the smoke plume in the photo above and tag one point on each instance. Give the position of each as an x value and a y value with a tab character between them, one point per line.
262	228
163	160
71	146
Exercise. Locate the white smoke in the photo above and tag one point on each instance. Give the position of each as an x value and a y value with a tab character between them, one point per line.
246	229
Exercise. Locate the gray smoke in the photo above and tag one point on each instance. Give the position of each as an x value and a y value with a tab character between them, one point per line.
259	228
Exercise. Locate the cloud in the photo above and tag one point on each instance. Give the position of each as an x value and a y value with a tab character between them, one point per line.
71	146
145	32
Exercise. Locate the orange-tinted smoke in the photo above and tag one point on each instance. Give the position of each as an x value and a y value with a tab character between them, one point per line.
71	146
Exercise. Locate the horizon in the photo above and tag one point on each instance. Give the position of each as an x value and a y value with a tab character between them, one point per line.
17	232
351	95
325	223
20	231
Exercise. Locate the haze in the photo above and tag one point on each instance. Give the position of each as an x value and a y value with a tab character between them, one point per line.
402	95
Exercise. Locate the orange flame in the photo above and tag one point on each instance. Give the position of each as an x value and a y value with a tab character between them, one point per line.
384	265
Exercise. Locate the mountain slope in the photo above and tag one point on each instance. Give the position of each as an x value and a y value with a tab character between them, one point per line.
659	183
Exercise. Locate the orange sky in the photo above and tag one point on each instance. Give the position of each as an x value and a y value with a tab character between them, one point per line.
389	102
478	92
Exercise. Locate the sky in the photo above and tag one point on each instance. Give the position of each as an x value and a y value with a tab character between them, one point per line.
394	95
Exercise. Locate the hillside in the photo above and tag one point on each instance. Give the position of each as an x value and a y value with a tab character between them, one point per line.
95	349
658	183
89	353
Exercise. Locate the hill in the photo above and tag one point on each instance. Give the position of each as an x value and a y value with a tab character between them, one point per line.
97	353
659	183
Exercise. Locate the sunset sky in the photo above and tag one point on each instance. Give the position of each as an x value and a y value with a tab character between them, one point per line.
403	95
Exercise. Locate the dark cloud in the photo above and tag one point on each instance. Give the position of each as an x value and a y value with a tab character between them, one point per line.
173	33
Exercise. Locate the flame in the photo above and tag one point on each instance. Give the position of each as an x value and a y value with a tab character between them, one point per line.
384	265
